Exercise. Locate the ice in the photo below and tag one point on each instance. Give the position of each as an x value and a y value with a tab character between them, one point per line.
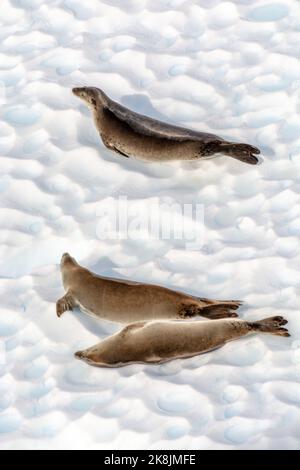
23	116
177	70
290	130
6	400
37	369
177	403
223	15
82	12
227	67
9	421
84	404
177	430
232	393
270	12
46	426
123	43
243	432
289	394
7	138
37	391
61	63
10	323
28	3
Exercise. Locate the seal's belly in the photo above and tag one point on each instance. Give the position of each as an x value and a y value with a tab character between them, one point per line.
121	138
153	149
125	303
132	306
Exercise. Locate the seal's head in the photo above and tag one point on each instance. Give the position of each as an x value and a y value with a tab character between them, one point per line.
88	94
67	260
67	266
90	355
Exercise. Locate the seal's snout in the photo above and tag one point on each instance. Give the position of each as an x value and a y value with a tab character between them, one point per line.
79	355
67	260
77	91
65	257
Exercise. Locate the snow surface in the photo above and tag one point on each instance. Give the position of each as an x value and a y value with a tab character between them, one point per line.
227	67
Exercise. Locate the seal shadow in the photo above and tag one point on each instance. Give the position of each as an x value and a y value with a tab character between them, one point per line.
99	327
141	104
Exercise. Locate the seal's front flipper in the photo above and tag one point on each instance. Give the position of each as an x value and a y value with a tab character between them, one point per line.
119	152
65	303
272	325
243	152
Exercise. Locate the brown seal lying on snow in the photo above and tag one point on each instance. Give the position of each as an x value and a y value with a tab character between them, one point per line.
133	135
126	301
160	341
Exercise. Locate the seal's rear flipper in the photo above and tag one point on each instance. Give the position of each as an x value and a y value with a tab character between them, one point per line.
242	152
272	325
215	311
221	310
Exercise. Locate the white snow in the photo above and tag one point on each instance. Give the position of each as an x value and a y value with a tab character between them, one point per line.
228	67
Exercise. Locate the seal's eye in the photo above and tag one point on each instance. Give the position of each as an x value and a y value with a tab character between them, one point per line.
93	102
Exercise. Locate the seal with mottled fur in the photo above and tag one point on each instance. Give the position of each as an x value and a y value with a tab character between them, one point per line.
126	301
160	341
133	135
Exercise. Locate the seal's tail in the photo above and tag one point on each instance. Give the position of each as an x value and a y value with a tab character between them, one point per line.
222	309
214	310
272	325
242	152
